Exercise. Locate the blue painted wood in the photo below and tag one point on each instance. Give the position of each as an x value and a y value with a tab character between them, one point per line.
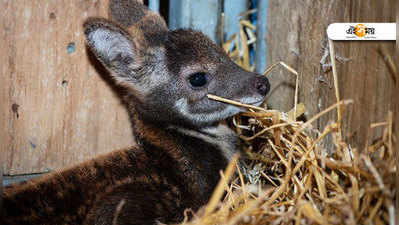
201	15
232	10
7	180
154	5
179	14
261	29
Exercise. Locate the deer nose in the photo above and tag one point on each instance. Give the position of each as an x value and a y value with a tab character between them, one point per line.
262	85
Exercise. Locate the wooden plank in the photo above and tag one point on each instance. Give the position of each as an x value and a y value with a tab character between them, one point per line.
232	11
57	109
297	36
200	15
154	5
261	32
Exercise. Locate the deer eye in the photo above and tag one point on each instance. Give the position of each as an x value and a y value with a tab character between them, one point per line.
199	79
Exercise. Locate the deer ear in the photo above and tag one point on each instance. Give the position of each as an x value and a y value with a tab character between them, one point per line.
115	48
133	13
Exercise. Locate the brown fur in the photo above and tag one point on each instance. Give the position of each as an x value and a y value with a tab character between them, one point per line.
130	14
182	145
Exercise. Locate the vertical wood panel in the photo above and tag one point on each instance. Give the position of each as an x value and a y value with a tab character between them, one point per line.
201	15
56	109
261	32
297	35
232	10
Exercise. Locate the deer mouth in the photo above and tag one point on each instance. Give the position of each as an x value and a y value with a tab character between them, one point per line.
252	101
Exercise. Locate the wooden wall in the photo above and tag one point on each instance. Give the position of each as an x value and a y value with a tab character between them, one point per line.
56	108
297	36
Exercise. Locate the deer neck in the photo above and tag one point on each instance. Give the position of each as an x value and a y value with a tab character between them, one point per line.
195	155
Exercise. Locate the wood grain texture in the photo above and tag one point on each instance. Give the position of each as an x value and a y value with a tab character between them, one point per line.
297	36
57	108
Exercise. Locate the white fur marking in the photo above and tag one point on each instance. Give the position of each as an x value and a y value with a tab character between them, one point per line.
218	135
110	43
182	106
251	101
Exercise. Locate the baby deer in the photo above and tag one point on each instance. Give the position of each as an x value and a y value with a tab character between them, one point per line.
182	145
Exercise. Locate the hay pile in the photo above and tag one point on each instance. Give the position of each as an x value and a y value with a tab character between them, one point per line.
287	177
290	179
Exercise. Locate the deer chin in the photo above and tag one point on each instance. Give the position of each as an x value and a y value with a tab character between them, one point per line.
231	110
255	101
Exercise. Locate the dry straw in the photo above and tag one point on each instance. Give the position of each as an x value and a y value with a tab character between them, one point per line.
285	176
